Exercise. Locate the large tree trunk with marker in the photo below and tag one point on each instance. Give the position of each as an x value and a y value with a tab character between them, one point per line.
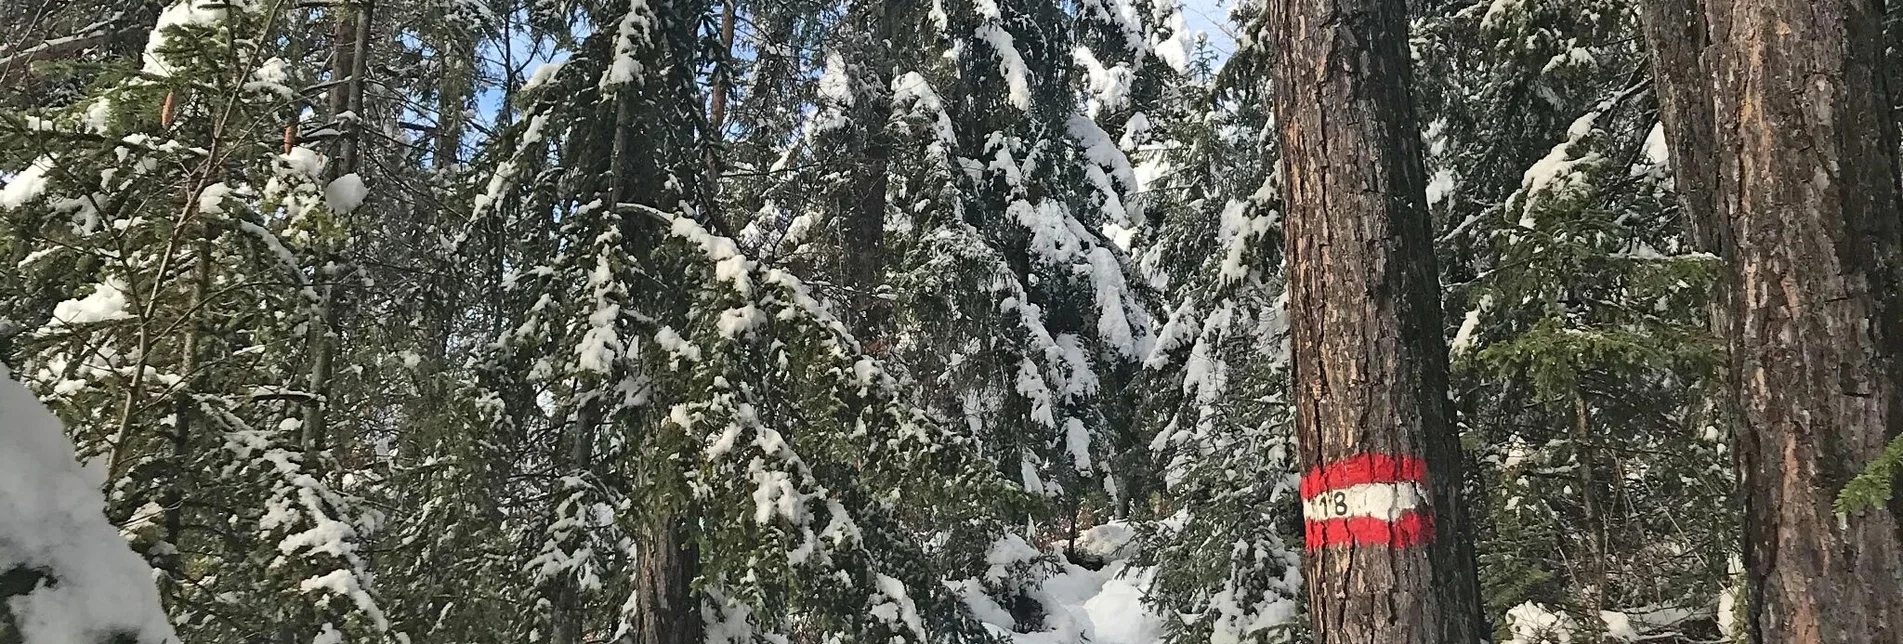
1388	560
1805	195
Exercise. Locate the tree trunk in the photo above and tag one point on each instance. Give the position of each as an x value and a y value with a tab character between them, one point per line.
350	62
1388	558
451	99
1806	187
667	611
863	203
1675	32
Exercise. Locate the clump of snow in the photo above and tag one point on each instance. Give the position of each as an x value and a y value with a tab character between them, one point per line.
633	30
1118	615
1464	339
1441	185
836	83
1500	11
1656	151
107	302
27	185
211	200
1559	171
1171	48
893	606
345	193
1110	87
1241	222
89	586
1531	623
271	77
835	92
187	13
1016	75
305	161
1108	542
1081	606
542	75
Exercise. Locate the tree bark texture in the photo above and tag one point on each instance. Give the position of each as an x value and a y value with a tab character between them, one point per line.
1807	190
668	611
1675	32
1370	356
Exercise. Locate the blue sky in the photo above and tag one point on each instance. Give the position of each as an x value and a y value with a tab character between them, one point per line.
1212	17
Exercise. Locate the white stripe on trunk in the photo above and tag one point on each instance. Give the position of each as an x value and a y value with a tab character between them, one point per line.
1384	501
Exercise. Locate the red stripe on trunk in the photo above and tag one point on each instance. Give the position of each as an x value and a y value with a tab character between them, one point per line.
1410	529
1365	468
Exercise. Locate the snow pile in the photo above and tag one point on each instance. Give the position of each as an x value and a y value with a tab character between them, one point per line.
189	13
87	586
25	185
1108	542
107	302
1081	606
1532	623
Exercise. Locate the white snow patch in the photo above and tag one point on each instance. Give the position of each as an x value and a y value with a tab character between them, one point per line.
211	200
345	193
305	161
55	525
635	24
1464	338
543	73
106	302
27	185
1016	75
1110	541
188	13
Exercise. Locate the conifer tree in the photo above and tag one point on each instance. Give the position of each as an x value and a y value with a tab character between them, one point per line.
166	242
1583	363
1389	557
1227	554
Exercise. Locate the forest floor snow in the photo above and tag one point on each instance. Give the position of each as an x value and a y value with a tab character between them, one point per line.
1085	606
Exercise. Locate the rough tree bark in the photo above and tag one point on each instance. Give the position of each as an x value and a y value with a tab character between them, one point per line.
668	611
1804	194
1386	565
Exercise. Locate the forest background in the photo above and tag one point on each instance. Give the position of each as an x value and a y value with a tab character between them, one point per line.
813	321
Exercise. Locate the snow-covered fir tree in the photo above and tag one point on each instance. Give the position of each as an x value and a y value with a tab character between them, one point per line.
815	321
1227	544
168	239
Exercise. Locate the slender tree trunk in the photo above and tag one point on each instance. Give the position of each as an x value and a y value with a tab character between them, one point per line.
350	62
350	44
1388	559
1805	196
452	93
183	413
717	106
1587	473
863	203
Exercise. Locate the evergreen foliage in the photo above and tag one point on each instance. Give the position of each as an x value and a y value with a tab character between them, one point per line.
498	320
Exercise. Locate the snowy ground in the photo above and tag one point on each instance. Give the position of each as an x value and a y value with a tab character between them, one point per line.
1102	606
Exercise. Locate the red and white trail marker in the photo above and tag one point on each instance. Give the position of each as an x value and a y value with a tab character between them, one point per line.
1368	500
